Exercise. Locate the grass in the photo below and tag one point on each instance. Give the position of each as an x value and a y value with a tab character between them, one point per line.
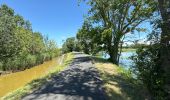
35	84
119	83
128	50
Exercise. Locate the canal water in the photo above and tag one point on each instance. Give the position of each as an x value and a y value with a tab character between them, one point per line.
125	60
13	81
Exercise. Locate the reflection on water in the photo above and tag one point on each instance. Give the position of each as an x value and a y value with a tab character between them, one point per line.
16	80
125	61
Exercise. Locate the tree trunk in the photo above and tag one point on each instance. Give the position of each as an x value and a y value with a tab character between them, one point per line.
165	43
113	52
86	49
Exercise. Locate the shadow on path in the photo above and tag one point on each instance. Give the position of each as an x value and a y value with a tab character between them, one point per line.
80	81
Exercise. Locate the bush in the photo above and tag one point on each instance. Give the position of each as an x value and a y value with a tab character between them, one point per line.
46	56
1	66
147	69
15	64
10	64
30	60
40	59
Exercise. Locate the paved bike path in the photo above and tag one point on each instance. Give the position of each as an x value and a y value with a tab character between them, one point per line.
80	81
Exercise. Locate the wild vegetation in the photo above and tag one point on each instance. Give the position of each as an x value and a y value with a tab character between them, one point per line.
105	29
20	47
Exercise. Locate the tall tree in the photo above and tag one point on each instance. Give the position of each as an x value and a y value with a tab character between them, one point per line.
118	17
89	38
37	44
164	7
9	42
69	45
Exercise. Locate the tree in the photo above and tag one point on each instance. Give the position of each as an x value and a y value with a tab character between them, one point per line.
164	7
9	42
52	49
89	38
37	44
152	63
20	48
118	17
69	45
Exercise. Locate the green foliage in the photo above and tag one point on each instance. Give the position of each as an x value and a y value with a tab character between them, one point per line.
137	45
117	18
89	38
151	62
69	45
148	70
164	7
126	74
20	48
1	66
31	60
8	38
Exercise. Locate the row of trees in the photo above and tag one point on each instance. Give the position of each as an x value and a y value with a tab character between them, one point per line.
87	40
109	21
20	47
106	27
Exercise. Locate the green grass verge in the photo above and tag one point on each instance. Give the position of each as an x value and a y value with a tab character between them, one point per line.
128	50
119	83
35	84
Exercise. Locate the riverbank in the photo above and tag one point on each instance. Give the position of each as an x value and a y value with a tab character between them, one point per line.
36	83
5	72
128	50
119	83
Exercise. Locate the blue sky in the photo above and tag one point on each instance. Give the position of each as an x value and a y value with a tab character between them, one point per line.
58	19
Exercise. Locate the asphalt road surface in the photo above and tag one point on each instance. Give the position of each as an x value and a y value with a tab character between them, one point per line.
80	81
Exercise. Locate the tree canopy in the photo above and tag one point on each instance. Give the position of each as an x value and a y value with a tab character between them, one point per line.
118	17
20	47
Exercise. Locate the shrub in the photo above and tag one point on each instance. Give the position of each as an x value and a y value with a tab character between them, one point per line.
147	69
1	66
40	58
46	56
10	64
30	60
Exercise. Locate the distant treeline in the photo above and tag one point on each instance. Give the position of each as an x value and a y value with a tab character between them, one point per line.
136	46
20	47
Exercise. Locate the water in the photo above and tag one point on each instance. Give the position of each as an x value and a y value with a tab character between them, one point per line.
13	81
125	61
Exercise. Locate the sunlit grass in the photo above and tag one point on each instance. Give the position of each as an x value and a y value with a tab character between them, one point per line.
118	82
28	88
128	50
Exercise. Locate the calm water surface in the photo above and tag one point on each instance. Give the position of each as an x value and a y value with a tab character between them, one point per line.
13	81
125	61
